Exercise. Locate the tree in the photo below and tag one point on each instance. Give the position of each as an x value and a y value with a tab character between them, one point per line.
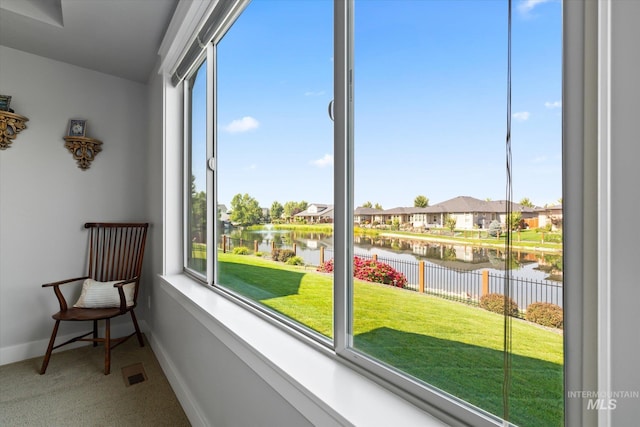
367	205
292	208
245	210
421	202
276	211
526	202
494	229
514	221
378	206
198	213
450	222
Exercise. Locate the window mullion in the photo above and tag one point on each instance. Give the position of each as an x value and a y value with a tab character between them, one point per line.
343	172
211	196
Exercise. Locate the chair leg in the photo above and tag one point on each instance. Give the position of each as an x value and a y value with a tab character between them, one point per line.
95	333
47	356
107	347
135	325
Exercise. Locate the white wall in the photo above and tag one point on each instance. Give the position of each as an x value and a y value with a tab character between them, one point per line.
45	198
625	204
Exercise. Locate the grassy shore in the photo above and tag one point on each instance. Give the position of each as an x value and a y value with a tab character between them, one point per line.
452	346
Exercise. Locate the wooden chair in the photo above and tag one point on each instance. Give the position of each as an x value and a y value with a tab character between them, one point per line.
115	255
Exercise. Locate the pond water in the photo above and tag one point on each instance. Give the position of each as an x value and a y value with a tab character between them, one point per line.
526	265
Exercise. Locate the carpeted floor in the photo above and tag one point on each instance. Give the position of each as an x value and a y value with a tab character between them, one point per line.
75	391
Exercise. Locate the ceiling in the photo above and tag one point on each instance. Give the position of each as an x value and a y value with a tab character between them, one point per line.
117	37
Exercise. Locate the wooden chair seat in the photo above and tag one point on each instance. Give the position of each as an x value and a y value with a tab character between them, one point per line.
84	314
115	254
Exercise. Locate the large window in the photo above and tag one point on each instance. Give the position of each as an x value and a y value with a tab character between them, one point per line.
345	177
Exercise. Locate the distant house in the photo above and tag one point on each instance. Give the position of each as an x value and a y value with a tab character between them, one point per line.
469	212
317	213
223	213
363	215
400	214
550	215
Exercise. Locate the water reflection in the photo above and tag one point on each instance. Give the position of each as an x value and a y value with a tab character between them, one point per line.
529	265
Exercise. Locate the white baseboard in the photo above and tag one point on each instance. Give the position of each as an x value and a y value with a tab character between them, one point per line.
31	349
179	386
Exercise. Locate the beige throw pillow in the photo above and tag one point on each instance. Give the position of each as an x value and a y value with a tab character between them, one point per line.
103	295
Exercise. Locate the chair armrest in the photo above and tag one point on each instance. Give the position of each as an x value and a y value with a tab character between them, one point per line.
123	300
56	289
62	282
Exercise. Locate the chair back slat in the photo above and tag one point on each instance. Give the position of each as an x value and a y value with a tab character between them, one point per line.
116	251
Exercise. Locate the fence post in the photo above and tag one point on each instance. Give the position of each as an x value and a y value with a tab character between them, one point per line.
421	277
375	257
273	245
224	244
321	255
255	246
294	248
485	282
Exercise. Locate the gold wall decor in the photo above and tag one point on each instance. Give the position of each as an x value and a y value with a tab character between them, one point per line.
10	125
83	149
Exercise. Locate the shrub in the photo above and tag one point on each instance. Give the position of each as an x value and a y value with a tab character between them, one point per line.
494	228
378	272
495	303
258	253
371	271
326	267
545	314
295	260
241	250
282	255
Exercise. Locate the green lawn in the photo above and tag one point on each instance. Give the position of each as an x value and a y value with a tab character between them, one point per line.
452	346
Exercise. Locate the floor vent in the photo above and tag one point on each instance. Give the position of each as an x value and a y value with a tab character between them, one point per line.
134	374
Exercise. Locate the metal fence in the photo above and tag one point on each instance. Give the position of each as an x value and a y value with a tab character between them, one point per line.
449	283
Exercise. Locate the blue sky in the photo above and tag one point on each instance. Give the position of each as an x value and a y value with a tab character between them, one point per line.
430	101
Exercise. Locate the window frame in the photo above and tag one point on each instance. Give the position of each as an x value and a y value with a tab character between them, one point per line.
188	116
434	401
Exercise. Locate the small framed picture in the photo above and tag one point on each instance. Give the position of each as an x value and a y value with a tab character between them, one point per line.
77	127
5	100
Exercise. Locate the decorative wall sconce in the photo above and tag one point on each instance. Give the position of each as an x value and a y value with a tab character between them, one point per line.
83	149
10	125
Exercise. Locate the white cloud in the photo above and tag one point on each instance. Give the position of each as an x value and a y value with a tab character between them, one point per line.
244	124
555	104
311	93
539	159
327	160
526	6
521	116
251	167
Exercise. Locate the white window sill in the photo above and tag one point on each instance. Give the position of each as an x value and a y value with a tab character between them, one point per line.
319	386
